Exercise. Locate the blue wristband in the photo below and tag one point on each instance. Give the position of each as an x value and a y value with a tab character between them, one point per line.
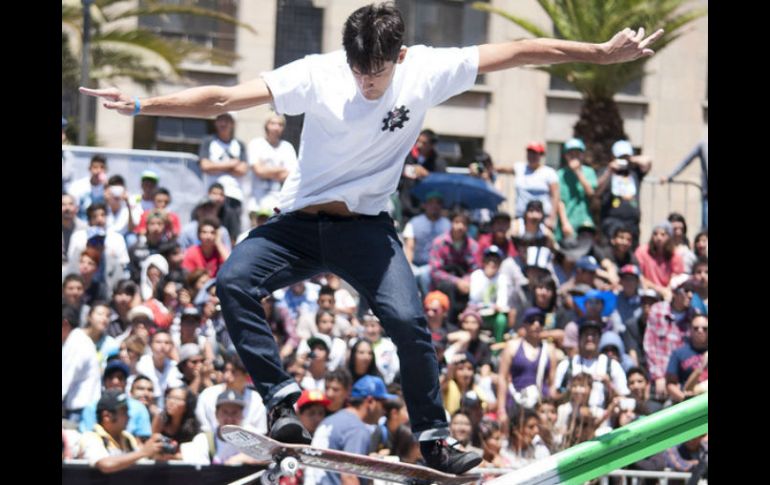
137	106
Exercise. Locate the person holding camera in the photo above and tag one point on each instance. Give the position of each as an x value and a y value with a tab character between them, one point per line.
109	447
177	422
618	188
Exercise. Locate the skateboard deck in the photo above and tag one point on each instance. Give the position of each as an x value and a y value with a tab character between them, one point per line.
284	457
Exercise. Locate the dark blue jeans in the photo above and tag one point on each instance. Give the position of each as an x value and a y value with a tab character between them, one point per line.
363	250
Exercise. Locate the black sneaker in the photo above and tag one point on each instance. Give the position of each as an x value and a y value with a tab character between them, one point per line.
284	425
442	456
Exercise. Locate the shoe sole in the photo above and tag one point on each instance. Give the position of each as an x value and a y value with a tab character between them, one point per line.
289	431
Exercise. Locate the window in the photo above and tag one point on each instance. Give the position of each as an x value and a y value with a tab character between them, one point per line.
443	23
634	88
205	31
171	134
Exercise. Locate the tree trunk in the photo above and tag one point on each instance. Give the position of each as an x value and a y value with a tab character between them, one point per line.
599	125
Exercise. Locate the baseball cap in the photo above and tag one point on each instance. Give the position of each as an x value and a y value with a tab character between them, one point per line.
574	144
187	351
114	365
140	311
493	250
622	148
320	339
231	397
149	174
631	269
531	314
587	263
111	401
437	295
190	311
586	324
370	386
536	147
433	194
312	396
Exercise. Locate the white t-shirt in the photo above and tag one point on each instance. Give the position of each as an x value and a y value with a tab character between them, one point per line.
486	291
254	414
169	376
597	368
533	185
264	192
353	149
424	231
81	376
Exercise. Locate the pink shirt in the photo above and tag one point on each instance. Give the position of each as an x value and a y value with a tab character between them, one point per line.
657	269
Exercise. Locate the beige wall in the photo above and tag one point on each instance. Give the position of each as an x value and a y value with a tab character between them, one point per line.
514	106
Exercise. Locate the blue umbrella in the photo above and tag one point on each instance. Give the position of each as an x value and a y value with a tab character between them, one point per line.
459	189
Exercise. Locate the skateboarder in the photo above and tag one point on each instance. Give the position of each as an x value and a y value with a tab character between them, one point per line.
364	106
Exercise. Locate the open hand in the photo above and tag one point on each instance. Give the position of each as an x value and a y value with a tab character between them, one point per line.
628	45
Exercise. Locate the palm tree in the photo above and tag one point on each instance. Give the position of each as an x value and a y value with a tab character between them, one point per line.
137	53
600	123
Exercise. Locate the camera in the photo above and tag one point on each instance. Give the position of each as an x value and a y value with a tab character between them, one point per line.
622	163
169	446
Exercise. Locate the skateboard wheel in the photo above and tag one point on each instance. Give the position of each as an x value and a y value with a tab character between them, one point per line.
269	477
289	466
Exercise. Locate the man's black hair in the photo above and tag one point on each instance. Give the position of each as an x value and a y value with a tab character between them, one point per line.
372	36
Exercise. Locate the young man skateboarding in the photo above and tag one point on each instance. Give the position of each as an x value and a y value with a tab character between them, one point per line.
364	106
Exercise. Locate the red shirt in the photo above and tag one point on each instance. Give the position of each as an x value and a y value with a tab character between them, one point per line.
175	229
194	259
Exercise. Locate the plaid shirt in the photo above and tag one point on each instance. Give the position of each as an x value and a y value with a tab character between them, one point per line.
444	255
662	337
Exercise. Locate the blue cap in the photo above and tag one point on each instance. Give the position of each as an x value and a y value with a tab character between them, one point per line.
622	148
94	232
607	297
574	144
493	250
587	263
116	364
63	122
370	386
203	294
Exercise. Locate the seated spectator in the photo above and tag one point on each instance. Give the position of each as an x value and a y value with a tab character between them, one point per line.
130	351
681	243
164	302
207	208
141	324
338	385
154	269
95	289
236	378
161	199
307	321
311	409
191	364
639	386
208	447
109	447
452	260
489	292
211	253
459	380
612	346
570	415
659	261
700	245
111	246
491	444
122	215
177	420
362	361
159	367
318	361
124	297
687	371
385	352
73	293
386	430
142	391
498	235
531	225
191	332
419	234
115	378
148	244
96	329
690	456
524	442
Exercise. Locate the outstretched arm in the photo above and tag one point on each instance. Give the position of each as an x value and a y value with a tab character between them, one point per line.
624	46
199	102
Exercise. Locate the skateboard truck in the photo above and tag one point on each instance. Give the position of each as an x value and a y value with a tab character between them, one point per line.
282	466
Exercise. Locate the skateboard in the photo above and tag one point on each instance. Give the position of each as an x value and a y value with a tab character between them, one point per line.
284	460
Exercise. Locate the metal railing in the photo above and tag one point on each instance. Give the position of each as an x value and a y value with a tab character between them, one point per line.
658	200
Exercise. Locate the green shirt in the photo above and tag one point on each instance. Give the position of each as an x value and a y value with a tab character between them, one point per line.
574	197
